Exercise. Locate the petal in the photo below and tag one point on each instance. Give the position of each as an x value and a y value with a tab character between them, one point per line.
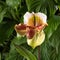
37	40
40	27
41	18
30	32
20	29
29	19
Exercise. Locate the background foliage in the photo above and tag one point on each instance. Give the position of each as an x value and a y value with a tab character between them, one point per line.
11	13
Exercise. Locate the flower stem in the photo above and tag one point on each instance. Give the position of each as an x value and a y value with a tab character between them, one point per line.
39	53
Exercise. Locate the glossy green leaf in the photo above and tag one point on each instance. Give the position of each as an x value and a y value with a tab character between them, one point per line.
24	52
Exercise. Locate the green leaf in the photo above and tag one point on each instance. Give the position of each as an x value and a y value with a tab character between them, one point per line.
55	42
19	40
0	56
55	38
6	30
26	53
45	6
28	3
13	55
13	3
50	7
57	1
45	55
32	5
50	48
53	23
2	13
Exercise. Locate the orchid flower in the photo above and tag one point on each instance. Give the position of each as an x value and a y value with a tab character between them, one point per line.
33	26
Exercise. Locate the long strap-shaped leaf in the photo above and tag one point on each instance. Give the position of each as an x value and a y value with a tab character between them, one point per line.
25	53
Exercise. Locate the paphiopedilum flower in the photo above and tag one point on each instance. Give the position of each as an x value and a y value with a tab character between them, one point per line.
33	26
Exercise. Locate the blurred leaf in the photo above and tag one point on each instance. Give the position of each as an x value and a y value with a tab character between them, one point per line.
13	55
49	49
13	14
32	5
13	3
6	30
59	7
45	55
24	52
0	56
55	42
45	6
58	2
53	23
28	3
2	13
19	40
50	7
55	38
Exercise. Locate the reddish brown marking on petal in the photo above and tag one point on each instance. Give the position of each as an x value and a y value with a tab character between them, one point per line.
20	27
32	27
30	33
40	27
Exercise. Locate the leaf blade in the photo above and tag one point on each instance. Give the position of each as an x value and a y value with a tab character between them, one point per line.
24	52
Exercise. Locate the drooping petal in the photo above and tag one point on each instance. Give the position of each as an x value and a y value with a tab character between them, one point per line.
29	19
37	40
20	29
30	32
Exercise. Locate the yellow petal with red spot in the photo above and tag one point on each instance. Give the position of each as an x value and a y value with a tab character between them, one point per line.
37	40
